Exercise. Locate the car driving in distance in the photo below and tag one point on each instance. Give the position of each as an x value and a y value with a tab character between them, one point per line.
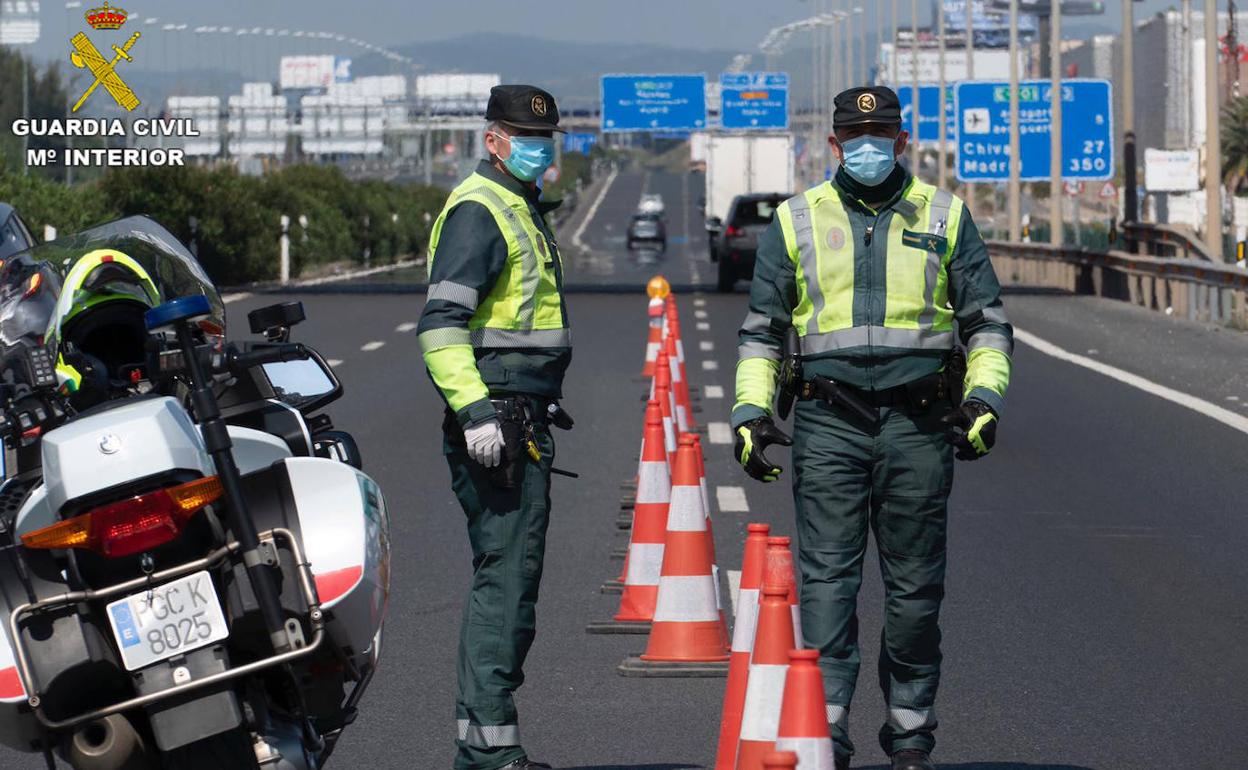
734	241
647	229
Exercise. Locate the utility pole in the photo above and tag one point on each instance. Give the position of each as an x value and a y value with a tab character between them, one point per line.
940	56
1213	137
915	158
1130	199
847	44
970	75
25	110
1185	75
1232	55
1014	205
892	78
1057	234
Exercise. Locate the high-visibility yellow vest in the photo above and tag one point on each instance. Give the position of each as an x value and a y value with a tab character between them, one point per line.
524	309
829	257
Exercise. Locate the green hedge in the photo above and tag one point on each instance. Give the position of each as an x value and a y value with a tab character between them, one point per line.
239	216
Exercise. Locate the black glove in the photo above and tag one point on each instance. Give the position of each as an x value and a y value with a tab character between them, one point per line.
972	429
753	438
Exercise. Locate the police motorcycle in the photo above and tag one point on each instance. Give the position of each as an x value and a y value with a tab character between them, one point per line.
193	569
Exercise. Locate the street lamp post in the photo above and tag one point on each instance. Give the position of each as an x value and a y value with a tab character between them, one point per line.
1213	136
1056	227
970	75
914	87
1130	201
941	129
1015	204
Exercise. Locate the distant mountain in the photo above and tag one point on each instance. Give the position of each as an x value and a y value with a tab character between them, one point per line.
569	70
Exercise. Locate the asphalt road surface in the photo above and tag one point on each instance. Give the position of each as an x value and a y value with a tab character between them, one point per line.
1095	615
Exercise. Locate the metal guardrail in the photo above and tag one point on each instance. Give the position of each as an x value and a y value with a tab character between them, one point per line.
1162	240
1188	288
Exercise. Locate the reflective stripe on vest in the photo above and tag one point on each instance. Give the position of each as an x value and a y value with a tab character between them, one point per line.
820	238
524	309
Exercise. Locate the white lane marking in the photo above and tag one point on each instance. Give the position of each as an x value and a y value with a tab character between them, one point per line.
235	297
731	499
333	362
734	586
700	314
1224	416
713	391
706	345
593	209
405	327
710	366
719	432
1228	398
703	326
369	347
699	302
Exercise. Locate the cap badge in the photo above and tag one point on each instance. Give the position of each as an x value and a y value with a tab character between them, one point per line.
539	106
866	102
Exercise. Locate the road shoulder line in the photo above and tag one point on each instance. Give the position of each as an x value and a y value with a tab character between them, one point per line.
1225	416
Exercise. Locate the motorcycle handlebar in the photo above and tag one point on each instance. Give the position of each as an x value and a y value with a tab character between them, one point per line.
238	363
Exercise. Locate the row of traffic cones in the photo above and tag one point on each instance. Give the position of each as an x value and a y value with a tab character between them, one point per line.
669	586
774	698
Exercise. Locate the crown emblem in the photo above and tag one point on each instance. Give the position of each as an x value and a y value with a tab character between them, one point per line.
106	17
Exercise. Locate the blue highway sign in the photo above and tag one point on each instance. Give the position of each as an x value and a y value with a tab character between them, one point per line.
579	142
653	102
754	100
929	113
983	109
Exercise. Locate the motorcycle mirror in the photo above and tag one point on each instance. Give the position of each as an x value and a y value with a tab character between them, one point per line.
306	385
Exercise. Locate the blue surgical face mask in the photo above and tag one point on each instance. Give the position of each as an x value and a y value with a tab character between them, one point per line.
530	156
869	159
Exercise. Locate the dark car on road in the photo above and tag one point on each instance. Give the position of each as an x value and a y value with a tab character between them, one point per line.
647	230
734	242
14	235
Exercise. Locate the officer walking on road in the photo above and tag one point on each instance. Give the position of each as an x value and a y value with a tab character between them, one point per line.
871	270
495	339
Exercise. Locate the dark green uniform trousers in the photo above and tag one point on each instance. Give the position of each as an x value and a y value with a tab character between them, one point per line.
507	530
895	478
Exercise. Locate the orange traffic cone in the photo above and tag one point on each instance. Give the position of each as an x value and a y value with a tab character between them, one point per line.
742	645
780	760
764	691
680	387
710	532
687	637
646	545
655	339
803	717
663	394
780	559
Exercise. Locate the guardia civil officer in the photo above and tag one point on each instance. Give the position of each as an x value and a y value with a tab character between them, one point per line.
496	342
871	270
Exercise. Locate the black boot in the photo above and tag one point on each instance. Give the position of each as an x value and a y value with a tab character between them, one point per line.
912	759
841	763
525	764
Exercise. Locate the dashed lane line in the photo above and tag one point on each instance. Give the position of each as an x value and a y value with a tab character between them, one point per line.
703	326
731	500
713	391
699	302
405	327
706	346
700	314
1224	416
719	432
334	362
369	347
235	297
710	366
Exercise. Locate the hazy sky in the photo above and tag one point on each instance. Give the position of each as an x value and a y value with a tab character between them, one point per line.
703	24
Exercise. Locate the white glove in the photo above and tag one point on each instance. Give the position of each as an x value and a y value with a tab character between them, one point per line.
485	442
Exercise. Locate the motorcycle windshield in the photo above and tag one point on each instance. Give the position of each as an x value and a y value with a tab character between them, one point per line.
99	262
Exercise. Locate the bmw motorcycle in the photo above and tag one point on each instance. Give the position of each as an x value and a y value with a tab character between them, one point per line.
194	570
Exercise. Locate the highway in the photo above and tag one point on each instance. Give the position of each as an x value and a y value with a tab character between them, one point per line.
1095	616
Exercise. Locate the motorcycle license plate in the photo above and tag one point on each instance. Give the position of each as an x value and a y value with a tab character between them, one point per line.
170	619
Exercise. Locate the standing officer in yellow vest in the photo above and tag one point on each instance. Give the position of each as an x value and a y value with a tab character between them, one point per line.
496	342
871	270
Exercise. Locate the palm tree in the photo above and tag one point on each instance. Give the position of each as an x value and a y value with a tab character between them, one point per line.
1235	143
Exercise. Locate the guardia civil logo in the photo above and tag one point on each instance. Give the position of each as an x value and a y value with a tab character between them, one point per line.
86	56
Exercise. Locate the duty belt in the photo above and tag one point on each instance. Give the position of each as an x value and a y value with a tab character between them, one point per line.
520	409
917	394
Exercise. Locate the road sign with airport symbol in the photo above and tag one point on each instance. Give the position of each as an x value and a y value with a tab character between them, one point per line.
754	100
983	147
653	102
929	113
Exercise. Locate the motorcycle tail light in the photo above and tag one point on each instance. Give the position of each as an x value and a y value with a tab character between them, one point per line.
130	526
734	231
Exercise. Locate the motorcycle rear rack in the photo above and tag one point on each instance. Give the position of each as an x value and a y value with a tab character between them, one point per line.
315	619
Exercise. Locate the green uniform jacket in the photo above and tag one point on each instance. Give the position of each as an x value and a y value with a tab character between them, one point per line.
973	292
471	254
